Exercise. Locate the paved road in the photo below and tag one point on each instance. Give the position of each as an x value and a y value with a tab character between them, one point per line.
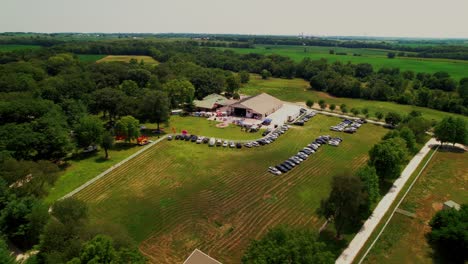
371	223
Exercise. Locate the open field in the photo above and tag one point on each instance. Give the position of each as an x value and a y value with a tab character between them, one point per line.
90	57
6	48
87	166
403	241
378	58
178	196
297	90
121	58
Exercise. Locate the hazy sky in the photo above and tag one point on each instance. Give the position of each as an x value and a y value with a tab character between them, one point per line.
406	18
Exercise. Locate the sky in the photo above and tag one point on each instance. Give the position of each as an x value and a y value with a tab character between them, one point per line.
392	18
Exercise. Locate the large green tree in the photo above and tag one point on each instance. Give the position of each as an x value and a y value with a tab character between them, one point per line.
370	180
5	255
451	130
155	107
179	91
388	156
128	127
89	131
347	203
107	142
449	234
287	245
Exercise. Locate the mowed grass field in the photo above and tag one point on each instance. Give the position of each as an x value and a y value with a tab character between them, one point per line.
297	90
403	240
125	58
87	166
7	48
178	196
378	58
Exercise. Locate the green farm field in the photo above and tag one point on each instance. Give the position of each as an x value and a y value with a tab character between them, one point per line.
297	90
88	166
125	58
378	58
403	240
178	196
7	48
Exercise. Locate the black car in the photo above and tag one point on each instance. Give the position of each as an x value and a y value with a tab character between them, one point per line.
299	123
238	145
177	137
186	137
282	168
286	165
293	164
206	140
193	138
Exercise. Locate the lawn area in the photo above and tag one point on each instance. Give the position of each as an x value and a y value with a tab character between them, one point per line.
378	58
86	167
90	57
125	58
7	47
203	127
297	90
403	241
178	196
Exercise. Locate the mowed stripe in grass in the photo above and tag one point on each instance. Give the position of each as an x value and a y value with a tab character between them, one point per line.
178	196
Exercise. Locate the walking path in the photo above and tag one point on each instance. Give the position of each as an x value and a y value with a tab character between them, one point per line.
348	255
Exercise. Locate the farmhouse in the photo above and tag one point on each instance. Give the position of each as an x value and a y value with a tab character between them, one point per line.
258	106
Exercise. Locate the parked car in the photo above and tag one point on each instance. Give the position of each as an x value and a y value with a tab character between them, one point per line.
169	138
232	145
193	138
248	145
238	145
212	142
206	140
225	143
187	137
299	123
219	142
199	140
281	168
286	165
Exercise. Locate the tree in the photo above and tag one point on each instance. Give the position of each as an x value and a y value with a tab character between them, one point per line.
332	107
355	111
5	255
155	107
108	100
70	210
244	77
128	127
388	156
98	250
107	142
265	74
452	130
89	131
365	111
309	103
410	139
391	55
363	70
419	125
130	88
449	234
370	180
322	104
379	115
393	118
287	245
344	110
179	91
346	204
233	84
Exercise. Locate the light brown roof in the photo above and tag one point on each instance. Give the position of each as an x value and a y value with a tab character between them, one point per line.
262	103
198	257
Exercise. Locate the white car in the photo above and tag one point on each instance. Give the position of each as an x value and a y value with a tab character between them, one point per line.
200	140
225	144
274	170
232	145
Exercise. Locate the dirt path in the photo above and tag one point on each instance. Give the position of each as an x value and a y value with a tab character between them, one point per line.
348	255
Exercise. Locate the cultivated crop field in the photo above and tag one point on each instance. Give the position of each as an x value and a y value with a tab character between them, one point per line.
7	48
121	58
90	57
178	196
297	90
403	240
378	58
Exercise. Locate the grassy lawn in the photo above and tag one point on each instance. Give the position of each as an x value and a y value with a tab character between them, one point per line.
203	127
178	196
403	241
378	58
7	48
124	58
90	57
296	90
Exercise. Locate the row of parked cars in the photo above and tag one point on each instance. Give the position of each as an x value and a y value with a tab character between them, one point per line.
206	140
304	153
269	137
301	121
348	126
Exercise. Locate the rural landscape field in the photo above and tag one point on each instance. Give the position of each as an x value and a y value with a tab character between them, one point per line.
183	196
201	132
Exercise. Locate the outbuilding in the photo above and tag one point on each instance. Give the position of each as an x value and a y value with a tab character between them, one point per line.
258	106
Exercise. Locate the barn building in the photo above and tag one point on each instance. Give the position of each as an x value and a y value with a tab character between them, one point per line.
258	106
